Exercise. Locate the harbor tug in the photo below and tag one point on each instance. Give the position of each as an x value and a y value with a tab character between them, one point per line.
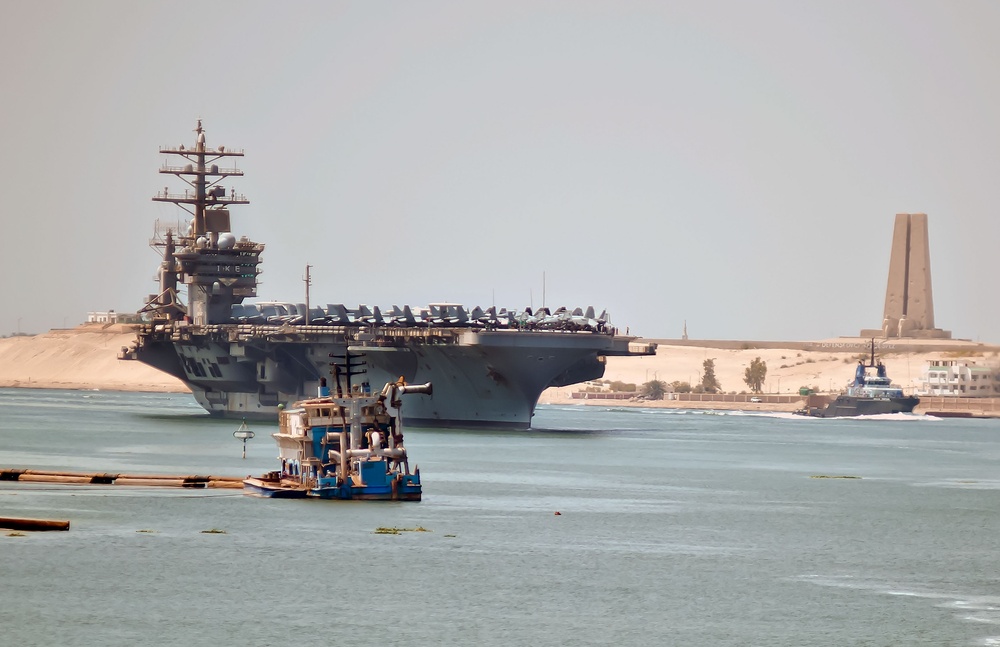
870	393
343	446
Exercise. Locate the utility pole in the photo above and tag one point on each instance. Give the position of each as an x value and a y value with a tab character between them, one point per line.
308	282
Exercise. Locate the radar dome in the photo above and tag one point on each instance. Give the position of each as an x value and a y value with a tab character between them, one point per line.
226	240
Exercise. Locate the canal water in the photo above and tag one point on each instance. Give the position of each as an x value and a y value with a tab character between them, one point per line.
675	528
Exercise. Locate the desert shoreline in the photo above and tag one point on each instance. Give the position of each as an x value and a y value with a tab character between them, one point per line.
86	358
91	386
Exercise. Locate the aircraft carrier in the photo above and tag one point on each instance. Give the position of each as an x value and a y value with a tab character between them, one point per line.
488	366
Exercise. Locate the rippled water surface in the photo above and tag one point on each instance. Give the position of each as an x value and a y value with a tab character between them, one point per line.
676	528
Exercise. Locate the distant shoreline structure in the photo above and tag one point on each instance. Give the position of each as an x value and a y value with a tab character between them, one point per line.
839	344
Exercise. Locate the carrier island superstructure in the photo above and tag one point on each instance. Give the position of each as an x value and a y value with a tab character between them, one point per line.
244	359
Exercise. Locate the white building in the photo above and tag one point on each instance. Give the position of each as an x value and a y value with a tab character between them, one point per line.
111	317
102	317
959	378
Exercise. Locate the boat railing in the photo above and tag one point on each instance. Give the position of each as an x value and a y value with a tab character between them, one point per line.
875	391
190	196
374	336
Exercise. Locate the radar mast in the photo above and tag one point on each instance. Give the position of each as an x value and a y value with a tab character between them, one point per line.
218	270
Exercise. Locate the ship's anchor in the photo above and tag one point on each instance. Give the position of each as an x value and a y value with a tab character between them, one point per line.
244	434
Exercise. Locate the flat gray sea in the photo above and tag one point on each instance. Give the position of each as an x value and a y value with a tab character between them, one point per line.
676	528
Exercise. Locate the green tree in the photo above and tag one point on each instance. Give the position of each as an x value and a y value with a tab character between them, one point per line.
708	381
654	389
755	374
680	387
620	386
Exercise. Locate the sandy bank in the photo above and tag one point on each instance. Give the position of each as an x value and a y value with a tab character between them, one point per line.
787	369
85	357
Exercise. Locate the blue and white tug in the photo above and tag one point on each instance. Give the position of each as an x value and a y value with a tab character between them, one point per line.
343	446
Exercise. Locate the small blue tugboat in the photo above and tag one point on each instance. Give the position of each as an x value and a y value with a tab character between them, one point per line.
347	446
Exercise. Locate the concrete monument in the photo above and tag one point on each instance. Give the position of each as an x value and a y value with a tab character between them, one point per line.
909	306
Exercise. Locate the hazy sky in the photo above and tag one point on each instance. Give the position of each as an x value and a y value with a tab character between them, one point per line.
737	165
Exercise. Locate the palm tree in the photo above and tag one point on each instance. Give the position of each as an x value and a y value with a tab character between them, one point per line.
654	389
755	374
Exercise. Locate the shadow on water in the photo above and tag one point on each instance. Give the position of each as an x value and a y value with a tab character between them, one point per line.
192	418
534	432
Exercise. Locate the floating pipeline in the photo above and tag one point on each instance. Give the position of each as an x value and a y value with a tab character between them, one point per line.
135	480
16	523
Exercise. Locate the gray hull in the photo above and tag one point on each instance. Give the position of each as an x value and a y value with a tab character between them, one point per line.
847	406
481	378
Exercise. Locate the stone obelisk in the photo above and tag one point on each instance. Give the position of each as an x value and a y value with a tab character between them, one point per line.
909	305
